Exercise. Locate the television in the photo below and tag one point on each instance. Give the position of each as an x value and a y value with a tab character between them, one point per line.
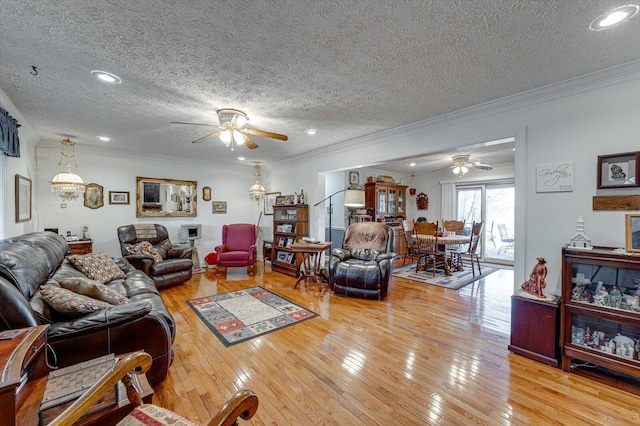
190	232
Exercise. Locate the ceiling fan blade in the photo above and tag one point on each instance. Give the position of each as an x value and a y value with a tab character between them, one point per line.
266	134
195	124
249	143
481	166
209	136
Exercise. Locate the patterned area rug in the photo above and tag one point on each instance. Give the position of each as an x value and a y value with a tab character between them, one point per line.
455	282
241	315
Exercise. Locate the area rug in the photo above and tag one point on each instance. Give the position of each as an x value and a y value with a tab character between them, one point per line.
241	315
454	282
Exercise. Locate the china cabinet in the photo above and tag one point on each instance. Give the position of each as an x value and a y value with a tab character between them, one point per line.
290	223
385	199
601	309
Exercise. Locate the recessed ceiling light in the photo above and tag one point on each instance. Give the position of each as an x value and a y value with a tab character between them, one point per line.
104	138
614	17
106	77
311	131
412	164
242	158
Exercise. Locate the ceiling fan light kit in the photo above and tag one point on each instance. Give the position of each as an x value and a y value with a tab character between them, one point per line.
461	165
231	130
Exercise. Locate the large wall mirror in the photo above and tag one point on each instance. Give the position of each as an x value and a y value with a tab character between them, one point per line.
165	197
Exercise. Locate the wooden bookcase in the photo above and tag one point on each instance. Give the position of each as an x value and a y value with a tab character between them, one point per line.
600	309
290	223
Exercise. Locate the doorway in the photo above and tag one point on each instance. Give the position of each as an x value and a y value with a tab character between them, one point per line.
493	203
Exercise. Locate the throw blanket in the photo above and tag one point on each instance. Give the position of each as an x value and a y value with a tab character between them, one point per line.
145	231
367	235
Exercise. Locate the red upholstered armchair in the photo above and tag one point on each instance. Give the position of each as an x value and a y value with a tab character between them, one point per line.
238	246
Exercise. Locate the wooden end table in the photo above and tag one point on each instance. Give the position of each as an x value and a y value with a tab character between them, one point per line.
312	253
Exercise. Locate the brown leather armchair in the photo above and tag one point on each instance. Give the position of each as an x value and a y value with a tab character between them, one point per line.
363	266
176	265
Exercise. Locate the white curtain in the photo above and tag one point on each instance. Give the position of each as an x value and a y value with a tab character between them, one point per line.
448	201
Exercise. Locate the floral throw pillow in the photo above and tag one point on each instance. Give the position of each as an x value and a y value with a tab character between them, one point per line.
97	266
145	247
92	288
70	303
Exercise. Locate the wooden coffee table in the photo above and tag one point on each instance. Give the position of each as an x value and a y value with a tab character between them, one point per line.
310	268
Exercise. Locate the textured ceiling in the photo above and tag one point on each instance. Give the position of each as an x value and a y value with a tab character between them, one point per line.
346	68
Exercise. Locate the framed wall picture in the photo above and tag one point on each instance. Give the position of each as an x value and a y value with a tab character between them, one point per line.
206	193
93	196
557	177
23	199
270	201
632	233
219	207
618	170
118	197
354	178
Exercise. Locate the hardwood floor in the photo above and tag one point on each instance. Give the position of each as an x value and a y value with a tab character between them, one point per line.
423	356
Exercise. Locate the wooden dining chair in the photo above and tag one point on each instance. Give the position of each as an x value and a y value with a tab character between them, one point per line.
429	253
455	226
469	256
412	246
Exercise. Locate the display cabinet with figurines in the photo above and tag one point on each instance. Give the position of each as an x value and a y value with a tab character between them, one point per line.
601	309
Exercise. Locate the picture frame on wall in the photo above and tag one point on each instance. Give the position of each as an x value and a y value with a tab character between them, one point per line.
219	207
93	196
118	197
23	199
354	178
270	199
632	233
206	193
619	170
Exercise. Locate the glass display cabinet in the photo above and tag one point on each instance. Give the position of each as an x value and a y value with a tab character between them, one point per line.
290	223
385	199
601	309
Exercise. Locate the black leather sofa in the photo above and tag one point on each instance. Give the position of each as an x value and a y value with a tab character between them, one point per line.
31	260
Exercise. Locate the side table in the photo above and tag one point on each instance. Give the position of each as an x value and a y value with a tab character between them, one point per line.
81	247
310	267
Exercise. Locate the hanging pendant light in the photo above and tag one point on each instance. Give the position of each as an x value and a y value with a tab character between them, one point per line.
412	185
256	191
66	183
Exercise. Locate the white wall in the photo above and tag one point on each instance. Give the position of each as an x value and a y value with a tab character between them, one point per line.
573	121
117	173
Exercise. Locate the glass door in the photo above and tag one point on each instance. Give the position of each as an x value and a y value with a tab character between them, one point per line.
495	205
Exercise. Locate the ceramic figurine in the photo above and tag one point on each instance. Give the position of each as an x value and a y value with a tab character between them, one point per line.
536	283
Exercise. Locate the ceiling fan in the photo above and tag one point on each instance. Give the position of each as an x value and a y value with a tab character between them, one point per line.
461	165
231	129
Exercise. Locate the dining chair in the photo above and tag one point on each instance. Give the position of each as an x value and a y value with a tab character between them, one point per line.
430	255
470	255
412	246
455	226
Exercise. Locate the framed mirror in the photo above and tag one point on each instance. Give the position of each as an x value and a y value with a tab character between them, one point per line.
165	197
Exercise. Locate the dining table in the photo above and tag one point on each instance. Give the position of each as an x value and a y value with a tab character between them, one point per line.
445	241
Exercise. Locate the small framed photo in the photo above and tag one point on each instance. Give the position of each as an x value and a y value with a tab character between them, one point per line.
206	193
282	256
289	200
93	196
270	201
632	233
118	197
23	199
219	207
280	200
619	170
354	178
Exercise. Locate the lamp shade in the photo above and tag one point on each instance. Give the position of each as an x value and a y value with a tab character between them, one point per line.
354	198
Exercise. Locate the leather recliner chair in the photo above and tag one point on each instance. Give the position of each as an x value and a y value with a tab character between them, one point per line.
176	265
363	266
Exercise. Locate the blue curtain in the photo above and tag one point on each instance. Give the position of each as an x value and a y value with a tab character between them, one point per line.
9	141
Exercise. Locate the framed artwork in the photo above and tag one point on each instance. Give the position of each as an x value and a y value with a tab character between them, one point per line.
354	178
279	200
23	199
206	193
632	233
270	201
118	197
93	196
219	207
618	170
556	177
289	200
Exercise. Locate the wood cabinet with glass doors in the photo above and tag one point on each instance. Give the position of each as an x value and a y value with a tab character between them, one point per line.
601	309
388	203
290	223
